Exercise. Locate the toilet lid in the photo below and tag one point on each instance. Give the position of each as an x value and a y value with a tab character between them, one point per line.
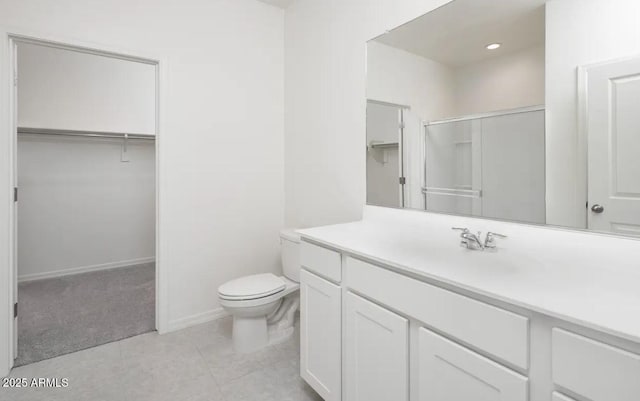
252	287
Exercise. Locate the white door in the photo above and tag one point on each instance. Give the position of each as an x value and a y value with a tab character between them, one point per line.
613	121
321	335
451	372
376	352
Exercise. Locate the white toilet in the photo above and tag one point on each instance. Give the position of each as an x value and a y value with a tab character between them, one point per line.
263	306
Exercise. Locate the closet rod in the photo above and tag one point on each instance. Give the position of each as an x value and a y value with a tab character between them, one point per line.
90	134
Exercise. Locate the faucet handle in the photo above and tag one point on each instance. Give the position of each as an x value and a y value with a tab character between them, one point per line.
490	239
464	242
496	235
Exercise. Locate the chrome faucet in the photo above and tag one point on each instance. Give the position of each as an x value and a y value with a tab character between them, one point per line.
469	240
490	240
472	241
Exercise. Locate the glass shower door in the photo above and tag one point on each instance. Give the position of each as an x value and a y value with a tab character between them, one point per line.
453	167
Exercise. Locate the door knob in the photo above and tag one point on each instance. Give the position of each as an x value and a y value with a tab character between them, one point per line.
597	208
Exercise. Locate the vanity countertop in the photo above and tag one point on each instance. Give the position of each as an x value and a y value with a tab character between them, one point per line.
587	279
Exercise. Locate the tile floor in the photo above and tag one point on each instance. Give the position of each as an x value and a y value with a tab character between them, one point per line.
195	364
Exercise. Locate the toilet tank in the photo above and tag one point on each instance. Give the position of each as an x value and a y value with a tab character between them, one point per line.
290	251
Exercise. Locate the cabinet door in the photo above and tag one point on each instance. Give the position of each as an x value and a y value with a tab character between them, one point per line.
376	352
451	372
320	335
594	370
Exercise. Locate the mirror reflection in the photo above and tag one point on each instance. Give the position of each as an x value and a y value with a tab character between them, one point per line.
479	108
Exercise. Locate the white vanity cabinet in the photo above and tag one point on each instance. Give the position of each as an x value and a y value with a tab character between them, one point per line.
376	351
445	370
373	331
321	323
451	372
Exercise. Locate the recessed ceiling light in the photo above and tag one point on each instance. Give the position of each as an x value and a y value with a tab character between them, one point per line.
493	46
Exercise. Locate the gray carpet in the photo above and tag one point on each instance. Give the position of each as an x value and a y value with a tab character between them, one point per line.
67	314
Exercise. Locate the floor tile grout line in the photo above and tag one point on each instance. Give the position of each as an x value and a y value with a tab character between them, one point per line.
204	359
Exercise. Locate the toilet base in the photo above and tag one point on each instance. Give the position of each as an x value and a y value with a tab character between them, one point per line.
253	333
282	329
249	334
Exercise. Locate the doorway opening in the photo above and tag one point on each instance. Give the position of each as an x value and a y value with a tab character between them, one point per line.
85	211
385	164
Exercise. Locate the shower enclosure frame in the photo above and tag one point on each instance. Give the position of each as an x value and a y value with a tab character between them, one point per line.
474	194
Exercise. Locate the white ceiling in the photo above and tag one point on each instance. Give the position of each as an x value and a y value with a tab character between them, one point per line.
278	3
457	33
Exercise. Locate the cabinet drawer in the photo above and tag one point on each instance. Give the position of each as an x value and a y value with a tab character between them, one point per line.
321	261
451	372
594	370
498	332
555	396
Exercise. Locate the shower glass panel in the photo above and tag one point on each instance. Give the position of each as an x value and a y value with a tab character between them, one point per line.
489	166
513	167
453	164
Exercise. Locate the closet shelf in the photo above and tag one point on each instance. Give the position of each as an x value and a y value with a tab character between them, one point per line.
89	134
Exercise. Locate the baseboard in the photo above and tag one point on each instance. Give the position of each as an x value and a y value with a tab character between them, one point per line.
198	318
85	269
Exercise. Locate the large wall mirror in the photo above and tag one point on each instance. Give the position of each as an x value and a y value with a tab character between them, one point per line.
480	108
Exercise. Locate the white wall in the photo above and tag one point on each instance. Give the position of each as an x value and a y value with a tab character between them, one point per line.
578	33
72	90
436	91
221	153
325	69
81	208
507	82
397	76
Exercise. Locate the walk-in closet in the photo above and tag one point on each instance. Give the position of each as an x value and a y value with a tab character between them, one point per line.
86	196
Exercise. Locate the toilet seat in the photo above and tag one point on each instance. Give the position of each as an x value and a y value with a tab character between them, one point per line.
290	286
251	287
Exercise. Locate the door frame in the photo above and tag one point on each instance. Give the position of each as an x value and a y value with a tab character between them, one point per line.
8	171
